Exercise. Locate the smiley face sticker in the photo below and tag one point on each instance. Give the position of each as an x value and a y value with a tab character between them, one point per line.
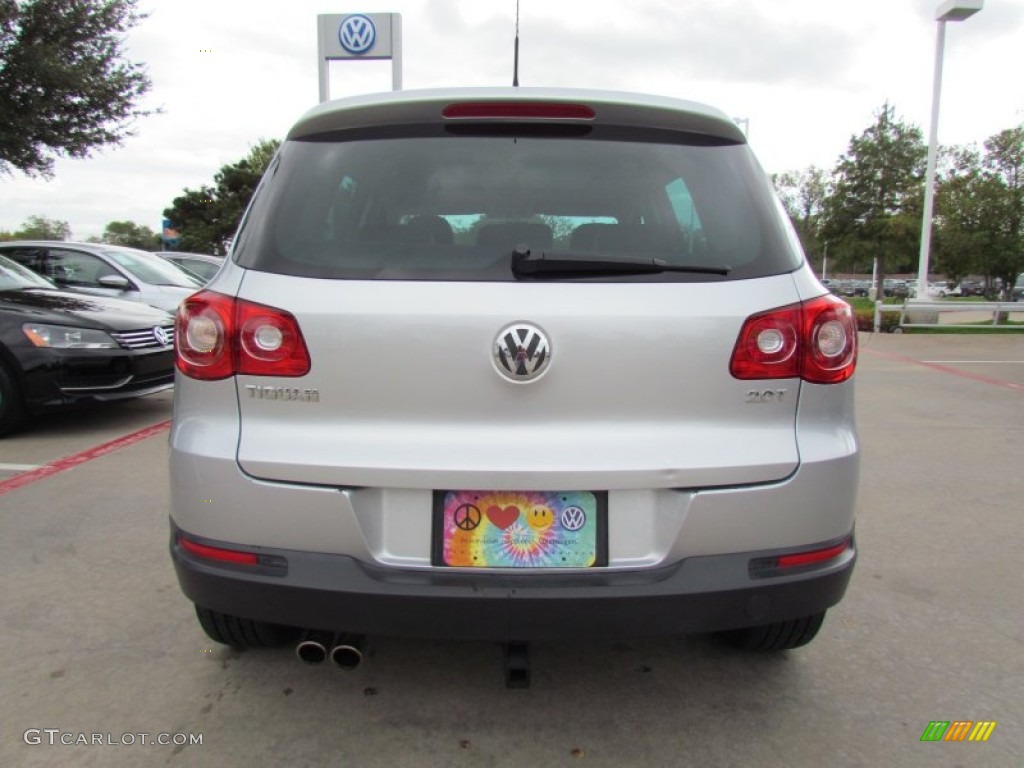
540	517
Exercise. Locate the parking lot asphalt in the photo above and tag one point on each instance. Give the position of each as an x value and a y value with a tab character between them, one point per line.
98	640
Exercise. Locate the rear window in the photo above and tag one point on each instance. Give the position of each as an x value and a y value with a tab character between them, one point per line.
454	207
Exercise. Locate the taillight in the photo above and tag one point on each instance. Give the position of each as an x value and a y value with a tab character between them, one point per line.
815	341
202	336
218	336
831	341
517	110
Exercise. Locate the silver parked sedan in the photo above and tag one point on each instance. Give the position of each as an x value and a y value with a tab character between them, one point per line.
200	265
513	364
100	269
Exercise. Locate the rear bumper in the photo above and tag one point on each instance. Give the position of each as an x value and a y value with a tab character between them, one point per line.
340	593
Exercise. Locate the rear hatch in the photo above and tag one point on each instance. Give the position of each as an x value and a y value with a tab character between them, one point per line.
638	388
635	247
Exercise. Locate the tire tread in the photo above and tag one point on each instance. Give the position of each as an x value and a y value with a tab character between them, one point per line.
777	636
242	633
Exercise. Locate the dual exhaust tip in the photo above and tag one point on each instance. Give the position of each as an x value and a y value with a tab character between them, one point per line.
345	651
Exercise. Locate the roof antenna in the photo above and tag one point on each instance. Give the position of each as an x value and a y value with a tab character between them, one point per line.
515	65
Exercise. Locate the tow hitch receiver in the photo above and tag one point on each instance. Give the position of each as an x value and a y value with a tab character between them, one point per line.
517	665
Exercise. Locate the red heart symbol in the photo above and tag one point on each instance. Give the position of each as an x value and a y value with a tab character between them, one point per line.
502	518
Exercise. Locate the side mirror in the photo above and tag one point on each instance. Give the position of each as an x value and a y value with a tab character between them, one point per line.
115	281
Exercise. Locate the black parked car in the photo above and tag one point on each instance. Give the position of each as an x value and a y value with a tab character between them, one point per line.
59	348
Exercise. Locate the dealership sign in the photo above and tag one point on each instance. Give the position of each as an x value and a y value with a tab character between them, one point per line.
368	36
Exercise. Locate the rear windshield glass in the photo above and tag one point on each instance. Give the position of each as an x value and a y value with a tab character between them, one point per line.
455	207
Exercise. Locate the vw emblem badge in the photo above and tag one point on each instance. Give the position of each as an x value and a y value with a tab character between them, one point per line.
161	336
521	352
357	34
573	518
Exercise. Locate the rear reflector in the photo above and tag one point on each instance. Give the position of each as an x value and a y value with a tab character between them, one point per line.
784	565
517	110
216	553
812	557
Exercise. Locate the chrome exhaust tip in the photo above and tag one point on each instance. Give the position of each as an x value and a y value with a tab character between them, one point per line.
312	649
347	653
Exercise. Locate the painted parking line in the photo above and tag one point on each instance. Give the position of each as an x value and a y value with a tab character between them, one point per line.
975	362
945	369
18	467
77	459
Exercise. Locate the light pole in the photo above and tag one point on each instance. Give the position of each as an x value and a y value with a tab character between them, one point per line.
951	10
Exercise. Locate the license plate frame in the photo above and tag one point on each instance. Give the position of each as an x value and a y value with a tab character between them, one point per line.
546	530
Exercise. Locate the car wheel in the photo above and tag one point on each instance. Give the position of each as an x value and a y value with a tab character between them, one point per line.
12	409
242	633
780	636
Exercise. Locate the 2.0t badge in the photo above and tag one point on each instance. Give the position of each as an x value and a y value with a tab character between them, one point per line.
521	352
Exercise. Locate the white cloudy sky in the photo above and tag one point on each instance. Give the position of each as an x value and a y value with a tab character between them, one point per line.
806	73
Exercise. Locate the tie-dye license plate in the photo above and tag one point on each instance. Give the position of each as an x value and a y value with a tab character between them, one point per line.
520	529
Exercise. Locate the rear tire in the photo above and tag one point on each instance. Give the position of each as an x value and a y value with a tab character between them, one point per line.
12	409
780	636
242	633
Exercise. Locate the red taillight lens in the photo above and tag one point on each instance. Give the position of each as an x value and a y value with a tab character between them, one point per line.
517	110
768	346
830	334
202	336
815	341
218	336
270	342
217	553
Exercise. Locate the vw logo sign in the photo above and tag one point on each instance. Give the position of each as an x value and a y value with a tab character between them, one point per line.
162	337
521	352
357	34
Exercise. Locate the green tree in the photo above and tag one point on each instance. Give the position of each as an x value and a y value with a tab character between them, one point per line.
967	203
65	87
803	195
980	207
875	209
42	228
1004	160
129	234
208	217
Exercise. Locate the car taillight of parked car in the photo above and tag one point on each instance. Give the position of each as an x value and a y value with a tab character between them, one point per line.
218	336
815	341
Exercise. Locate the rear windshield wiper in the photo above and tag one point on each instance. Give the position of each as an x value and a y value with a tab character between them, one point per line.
525	264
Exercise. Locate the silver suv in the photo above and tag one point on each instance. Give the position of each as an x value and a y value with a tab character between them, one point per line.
513	364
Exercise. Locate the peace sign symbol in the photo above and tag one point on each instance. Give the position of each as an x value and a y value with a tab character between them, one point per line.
467	517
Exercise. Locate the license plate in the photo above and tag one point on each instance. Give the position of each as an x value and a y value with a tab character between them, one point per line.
520	529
